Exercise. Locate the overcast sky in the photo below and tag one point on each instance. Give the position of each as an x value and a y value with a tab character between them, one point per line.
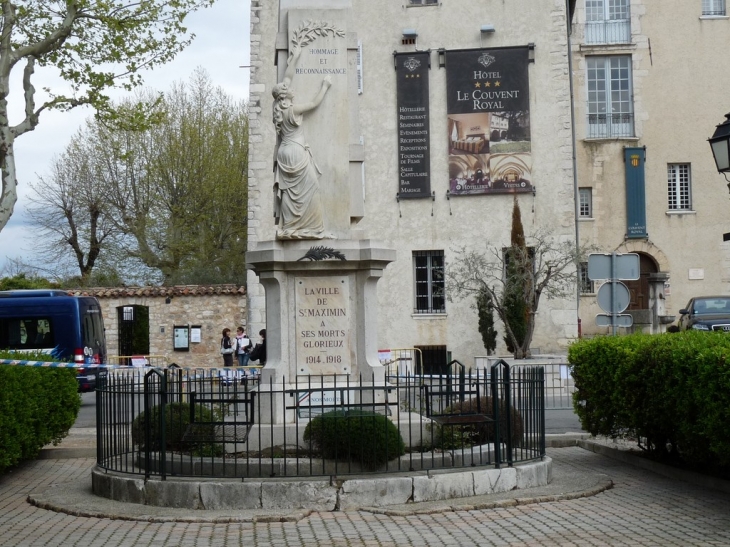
221	46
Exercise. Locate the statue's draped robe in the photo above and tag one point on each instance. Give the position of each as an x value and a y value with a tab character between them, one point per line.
298	204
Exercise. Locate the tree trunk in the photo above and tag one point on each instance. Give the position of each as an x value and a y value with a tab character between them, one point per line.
9	195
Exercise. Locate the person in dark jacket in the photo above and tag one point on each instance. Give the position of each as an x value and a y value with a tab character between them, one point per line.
227	348
259	352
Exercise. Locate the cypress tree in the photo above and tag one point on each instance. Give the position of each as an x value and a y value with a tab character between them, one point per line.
516	282
485	309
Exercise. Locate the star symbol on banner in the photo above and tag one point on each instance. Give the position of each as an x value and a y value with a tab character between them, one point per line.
497	84
487	84
477	84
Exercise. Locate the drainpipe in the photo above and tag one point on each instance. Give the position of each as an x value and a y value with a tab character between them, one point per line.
576	201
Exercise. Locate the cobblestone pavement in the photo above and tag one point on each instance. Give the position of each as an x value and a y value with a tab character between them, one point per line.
641	509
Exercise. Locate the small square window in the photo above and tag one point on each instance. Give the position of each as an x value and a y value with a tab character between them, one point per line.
585	205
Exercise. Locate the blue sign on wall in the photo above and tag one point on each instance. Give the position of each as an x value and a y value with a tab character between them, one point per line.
634	159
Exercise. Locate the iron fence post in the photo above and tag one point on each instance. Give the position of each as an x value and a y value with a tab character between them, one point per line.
495	413
508	405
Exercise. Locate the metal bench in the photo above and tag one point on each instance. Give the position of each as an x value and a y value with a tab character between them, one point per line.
215	431
452	397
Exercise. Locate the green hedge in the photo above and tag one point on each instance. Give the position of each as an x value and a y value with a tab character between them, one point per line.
670	391
37	407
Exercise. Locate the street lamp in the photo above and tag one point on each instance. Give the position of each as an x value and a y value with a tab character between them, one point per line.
720	143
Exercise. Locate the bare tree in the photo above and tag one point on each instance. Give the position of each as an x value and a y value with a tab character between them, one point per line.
548	267
70	210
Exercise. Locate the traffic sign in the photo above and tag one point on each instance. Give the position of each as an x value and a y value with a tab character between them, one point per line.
621	320
613	302
600	266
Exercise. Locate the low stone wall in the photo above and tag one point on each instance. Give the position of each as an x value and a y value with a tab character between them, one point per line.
319	495
211	307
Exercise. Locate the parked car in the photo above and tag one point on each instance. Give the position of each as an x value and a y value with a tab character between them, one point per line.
706	313
70	328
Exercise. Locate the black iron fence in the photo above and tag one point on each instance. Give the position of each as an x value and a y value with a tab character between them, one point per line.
229	423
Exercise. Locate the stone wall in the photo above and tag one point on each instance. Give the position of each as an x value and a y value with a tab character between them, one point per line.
211	307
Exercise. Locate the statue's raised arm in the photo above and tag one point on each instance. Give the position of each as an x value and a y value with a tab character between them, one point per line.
297	204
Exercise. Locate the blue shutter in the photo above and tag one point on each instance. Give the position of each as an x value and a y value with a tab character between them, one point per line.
634	159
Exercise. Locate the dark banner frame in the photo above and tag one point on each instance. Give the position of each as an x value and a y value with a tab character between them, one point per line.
634	160
488	126
413	115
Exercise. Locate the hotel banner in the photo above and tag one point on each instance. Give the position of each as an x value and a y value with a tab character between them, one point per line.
634	159
414	143
488	108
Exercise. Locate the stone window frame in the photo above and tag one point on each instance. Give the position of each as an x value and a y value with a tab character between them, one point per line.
714	8
679	187
429	282
605	75
585	202
587	286
607	22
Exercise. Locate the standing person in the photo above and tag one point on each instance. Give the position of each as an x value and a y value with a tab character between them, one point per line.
259	352
227	348
243	347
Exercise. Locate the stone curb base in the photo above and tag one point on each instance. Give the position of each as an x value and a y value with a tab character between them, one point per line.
601	487
318	495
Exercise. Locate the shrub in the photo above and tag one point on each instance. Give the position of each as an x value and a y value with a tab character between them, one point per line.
180	434
356	436
671	392
451	437
38	406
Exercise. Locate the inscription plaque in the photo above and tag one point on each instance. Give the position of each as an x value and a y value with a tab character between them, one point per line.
322	322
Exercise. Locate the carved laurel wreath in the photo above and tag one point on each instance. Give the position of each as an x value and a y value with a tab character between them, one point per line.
322	253
308	31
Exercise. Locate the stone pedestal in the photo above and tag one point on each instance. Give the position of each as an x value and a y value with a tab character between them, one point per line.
321	315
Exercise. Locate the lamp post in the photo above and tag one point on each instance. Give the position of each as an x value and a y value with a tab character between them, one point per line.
720	144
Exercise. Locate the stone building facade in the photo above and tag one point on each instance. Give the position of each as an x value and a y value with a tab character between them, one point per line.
209	308
648	94
479	156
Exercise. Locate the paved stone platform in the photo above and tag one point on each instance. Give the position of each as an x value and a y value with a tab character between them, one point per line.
642	508
596	500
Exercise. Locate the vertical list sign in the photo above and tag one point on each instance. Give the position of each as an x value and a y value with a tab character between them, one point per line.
414	142
322	322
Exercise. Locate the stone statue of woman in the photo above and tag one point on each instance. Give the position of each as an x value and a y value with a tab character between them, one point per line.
297	204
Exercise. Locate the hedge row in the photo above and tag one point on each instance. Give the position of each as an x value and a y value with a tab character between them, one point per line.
37	407
671	391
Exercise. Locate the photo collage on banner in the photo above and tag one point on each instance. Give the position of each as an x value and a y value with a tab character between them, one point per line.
414	142
488	108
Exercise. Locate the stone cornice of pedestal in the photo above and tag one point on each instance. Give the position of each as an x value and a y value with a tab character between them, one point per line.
278	255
